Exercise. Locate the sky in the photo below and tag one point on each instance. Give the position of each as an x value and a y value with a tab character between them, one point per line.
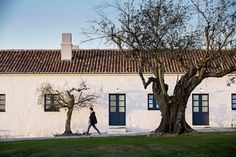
38	24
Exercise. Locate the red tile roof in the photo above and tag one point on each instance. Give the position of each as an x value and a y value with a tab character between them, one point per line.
94	61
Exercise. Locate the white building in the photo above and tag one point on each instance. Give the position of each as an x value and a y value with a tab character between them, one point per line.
124	104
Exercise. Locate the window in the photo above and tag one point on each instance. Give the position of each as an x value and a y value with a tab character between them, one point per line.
152	104
117	102
2	102
200	109
117	109
51	103
200	103
233	101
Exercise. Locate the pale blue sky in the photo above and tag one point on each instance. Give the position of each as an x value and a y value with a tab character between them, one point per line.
38	24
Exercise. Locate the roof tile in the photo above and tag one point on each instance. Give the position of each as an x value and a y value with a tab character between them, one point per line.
94	61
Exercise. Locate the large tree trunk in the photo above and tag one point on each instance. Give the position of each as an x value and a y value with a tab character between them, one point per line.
68	121
172	112
173	120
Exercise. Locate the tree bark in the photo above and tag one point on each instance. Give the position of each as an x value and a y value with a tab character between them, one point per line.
68	121
173	121
172	111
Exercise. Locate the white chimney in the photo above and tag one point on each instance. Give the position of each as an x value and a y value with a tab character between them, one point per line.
66	46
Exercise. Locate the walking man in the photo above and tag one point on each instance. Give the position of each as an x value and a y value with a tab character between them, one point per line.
92	121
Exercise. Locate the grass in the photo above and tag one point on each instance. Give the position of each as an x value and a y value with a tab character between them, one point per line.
196	145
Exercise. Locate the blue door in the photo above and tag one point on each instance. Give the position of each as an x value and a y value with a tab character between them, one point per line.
200	109
117	104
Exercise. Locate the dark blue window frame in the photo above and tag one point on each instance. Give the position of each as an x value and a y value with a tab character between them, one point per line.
200	109
117	110
152	103
50	103
3	102
233	100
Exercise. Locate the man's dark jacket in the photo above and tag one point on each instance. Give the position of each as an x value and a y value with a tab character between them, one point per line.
92	118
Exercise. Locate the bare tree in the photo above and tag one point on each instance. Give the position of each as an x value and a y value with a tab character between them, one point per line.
158	27
70	99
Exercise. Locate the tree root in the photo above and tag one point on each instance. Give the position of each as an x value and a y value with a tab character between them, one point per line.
70	134
186	132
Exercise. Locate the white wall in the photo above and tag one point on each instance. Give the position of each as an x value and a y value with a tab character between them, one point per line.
24	116
220	107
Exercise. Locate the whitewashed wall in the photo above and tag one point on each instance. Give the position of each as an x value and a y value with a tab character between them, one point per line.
24	116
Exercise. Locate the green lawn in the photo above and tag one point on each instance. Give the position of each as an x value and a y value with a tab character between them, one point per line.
197	145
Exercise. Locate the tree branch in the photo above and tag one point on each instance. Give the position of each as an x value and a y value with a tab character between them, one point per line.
226	39
221	73
150	80
161	79
199	10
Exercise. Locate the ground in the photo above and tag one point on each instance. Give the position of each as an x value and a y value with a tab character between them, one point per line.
194	145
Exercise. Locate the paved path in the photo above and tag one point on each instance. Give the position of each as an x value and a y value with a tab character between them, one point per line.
109	135
215	129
